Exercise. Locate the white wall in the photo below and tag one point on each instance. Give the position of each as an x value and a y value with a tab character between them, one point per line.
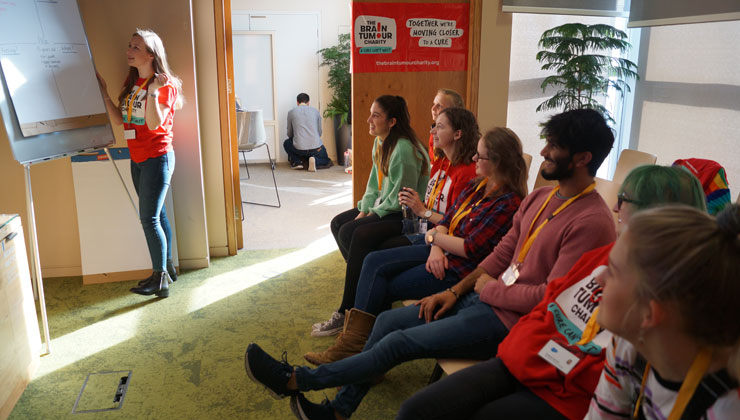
335	19
687	103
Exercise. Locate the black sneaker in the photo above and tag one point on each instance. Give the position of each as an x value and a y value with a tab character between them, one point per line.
306	410
296	165
268	372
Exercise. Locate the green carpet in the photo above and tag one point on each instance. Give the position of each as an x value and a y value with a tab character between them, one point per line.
186	352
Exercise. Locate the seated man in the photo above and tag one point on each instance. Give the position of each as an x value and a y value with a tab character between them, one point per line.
304	146
551	230
526	380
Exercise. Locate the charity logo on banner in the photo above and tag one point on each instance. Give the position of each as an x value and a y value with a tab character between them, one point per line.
393	37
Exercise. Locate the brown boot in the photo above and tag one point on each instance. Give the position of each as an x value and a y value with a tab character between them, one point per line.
357	326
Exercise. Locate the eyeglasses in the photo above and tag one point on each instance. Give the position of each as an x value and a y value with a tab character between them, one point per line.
476	156
622	198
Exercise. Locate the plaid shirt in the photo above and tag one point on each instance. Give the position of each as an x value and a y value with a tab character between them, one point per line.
482	228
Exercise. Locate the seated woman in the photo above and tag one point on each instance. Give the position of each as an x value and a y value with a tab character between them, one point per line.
467	233
524	382
456	134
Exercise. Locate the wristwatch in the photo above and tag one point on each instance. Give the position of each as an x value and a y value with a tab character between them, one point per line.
430	237
427	214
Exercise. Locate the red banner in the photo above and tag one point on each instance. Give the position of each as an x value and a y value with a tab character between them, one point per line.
402	37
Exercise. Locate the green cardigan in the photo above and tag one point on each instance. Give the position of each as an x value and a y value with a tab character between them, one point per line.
404	170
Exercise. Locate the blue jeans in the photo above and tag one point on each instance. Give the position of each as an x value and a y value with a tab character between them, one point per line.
298	156
395	274
151	181
470	330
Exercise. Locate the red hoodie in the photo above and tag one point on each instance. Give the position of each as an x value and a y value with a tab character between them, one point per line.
561	317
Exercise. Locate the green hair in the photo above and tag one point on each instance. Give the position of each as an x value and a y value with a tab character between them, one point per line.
652	185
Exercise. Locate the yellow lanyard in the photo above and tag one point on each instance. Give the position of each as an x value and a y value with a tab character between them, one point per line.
592	328
376	158
132	97
690	383
463	211
531	236
438	186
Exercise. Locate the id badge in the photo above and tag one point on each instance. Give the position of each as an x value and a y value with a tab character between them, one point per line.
129	134
511	274
422	226
377	202
558	356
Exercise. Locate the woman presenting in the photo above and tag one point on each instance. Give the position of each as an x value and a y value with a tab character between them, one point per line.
146	108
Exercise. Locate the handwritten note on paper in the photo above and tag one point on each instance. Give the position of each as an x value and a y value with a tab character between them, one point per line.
47	66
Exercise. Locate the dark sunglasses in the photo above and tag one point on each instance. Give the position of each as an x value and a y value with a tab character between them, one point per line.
621	198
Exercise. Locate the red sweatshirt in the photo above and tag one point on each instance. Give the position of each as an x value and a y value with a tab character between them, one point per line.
561	316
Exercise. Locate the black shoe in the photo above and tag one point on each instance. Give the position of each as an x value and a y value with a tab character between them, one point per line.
268	372
306	410
145	281
296	166
171	270
158	284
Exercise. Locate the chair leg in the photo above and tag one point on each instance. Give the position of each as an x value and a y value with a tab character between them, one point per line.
246	166
277	194
436	374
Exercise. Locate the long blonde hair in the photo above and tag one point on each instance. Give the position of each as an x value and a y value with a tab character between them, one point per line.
687	257
155	47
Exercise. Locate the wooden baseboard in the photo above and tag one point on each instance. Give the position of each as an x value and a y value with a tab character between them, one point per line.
116	277
219	251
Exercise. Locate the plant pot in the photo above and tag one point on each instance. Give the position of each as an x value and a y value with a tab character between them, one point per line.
343	138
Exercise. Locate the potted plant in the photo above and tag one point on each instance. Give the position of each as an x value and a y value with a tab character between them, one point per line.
581	56
340	81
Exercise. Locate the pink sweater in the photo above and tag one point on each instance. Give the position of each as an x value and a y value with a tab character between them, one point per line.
584	225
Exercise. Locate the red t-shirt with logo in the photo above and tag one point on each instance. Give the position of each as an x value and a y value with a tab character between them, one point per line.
148	143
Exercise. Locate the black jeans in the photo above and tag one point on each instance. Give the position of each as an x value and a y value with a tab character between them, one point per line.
356	239
486	390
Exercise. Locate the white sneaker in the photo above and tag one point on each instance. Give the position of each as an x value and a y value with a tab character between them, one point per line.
332	326
312	164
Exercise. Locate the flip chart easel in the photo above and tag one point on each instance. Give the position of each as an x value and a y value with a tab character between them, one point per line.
50	102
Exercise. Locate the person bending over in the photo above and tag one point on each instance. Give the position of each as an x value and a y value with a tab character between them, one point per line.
456	137
553	228
467	233
527	379
304	146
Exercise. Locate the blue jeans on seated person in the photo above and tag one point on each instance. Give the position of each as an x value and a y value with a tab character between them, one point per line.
470	330
151	181
396	274
296	156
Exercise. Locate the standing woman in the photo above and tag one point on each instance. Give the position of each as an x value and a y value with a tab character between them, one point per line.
146	108
399	160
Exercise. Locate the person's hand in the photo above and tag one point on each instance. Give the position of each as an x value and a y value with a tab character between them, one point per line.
410	198
102	84
428	306
481	282
437	262
162	78
361	215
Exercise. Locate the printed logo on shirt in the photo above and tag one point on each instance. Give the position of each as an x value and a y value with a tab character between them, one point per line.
572	310
138	110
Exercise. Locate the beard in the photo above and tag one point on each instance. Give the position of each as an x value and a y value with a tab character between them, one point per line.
563	170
